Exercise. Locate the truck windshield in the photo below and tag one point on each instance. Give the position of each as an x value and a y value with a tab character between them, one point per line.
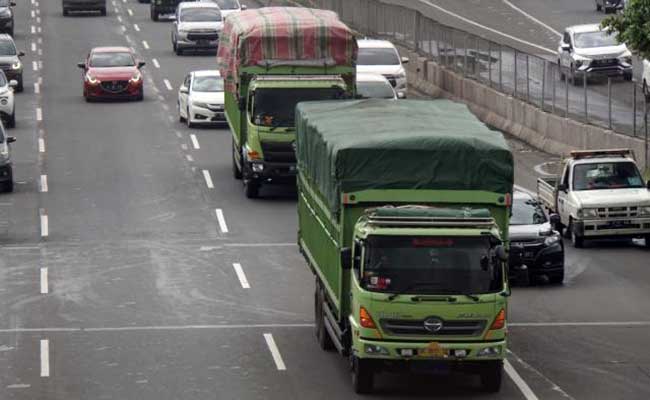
606	175
448	265
276	107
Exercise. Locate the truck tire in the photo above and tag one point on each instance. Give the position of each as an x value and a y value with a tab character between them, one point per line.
8	186
322	335
251	189
491	376
236	171
363	375
577	241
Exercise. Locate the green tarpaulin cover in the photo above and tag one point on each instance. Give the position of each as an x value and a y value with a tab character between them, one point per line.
349	146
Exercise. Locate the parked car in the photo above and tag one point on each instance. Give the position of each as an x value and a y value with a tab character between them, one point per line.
7	17
201	98
374	86
536	249
197	26
228	6
587	50
10	60
7	104
610	5
381	57
83	5
112	73
6	169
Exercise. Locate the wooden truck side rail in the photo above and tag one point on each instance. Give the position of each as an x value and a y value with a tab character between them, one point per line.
546	191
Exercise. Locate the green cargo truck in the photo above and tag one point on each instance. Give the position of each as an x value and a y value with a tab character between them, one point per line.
403	218
271	59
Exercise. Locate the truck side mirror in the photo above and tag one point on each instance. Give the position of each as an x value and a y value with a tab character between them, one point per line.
501	253
554	219
346	258
562	187
565	47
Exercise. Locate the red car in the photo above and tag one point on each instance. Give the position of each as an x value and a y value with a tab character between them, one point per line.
112	73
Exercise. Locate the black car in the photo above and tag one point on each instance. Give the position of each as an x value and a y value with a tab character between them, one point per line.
83	5
610	5
536	249
10	60
6	171
7	17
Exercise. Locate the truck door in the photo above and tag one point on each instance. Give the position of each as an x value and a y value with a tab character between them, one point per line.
562	195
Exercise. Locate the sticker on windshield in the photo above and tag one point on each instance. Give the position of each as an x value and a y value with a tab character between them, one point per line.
634	181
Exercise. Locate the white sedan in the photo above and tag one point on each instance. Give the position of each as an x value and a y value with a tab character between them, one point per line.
7	105
201	98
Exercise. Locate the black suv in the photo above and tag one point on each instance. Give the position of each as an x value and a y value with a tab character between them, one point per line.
10	60
7	17
159	7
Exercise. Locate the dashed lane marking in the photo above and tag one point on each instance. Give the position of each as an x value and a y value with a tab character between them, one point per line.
35	65
221	219
275	352
155	63
168	84
45	358
241	276
41	145
33	47
39	114
145	44
195	142
189	157
37	88
136	27
45	226
208	179
119	18
44	187
45	289
128	10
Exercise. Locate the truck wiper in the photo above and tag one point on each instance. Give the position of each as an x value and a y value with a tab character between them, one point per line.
471	296
411	287
278	123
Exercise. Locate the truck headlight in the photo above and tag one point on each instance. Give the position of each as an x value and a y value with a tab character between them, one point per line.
258	167
375	350
588	213
551	240
489	352
644	210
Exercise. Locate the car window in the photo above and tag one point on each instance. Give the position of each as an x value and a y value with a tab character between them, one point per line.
375	90
588	40
200	15
567	38
7	48
227	4
207	84
4	3
374	56
527	212
112	59
3	78
187	80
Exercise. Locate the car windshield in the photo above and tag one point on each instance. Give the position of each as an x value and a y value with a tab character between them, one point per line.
430	265
276	107
200	15
227	4
594	39
378	56
527	212
5	3
207	84
606	175
112	59
7	48
375	90
3	79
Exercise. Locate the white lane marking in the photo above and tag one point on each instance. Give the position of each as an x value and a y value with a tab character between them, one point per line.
37	88
136	27
45	358
241	276
195	141
221	220
469	21
530	368
519	382
184	146
33	46
39	30
119	18
38	12
45	287
189	157
168	85
38	20
123	28
128	10
240	245
530	17
34	65
33	29
155	328
178	134
39	114
145	44
19	386
33	14
32	1
208	179
40	52
45	226
41	145
539	168
155	63
275	352
580	324
44	187
40	40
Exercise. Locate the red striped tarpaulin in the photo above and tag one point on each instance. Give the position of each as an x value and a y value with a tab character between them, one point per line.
283	35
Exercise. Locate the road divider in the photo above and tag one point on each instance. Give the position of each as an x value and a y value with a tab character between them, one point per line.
275	352
241	276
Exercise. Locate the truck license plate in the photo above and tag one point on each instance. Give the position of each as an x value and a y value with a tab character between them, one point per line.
433	350
618	224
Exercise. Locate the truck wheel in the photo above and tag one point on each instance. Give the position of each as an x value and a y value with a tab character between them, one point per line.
102	11
491	375
154	14
322	335
236	172
647	241
577	241
8	186
363	375
251	189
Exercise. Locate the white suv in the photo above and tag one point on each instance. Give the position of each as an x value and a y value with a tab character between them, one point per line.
586	50
7	105
228	6
381	57
197	26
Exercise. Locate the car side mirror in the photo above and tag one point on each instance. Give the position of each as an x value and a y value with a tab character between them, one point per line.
565	47
11	139
501	253
405	60
13	83
81	65
401	95
141	64
21	54
184	90
554	219
244	7
562	187
12	4
346	258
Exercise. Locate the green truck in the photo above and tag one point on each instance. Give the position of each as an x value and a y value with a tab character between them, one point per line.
403	211
271	59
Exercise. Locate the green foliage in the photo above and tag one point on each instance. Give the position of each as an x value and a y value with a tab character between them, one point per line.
632	27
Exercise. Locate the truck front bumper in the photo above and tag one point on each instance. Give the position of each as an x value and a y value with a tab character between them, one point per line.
271	172
614	228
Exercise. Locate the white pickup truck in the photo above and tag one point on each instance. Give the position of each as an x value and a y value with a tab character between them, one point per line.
600	194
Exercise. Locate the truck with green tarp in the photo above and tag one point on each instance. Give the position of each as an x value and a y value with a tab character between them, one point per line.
272	58
403	212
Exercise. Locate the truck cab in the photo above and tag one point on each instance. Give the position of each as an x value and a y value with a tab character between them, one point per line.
599	194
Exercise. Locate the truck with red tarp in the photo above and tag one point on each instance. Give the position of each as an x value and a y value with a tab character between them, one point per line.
271	59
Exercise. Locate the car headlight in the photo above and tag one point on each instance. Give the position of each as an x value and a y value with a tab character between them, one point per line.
16	65
551	240
91	79
588	213
5	12
626	59
200	104
137	76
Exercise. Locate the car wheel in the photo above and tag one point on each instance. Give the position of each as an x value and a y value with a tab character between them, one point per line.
557	278
65	12
188	119
154	15
627	77
8	186
577	241
20	87
646	91
491	376
180	115
322	335
178	50
561	71
140	95
647	241
11	32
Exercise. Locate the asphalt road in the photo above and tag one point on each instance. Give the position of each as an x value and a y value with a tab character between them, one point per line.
118	282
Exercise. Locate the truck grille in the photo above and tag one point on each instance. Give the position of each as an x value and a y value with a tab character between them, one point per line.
280	152
203	35
115	86
618	212
403	327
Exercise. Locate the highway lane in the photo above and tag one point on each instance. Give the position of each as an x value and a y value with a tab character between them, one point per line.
142	282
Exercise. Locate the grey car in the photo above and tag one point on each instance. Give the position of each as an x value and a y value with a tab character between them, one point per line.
83	5
610	5
7	17
10	60
6	169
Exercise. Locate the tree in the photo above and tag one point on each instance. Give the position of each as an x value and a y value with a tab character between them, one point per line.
632	27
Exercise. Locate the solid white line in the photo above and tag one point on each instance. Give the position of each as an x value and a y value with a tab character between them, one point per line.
45	358
273	348
145	44
136	27
156	328
39	114
469	21
44	187
221	220
155	63
45	289
208	179
168	85
519	382
241	276
37	88
530	17
45	228
195	141
41	145
128	10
